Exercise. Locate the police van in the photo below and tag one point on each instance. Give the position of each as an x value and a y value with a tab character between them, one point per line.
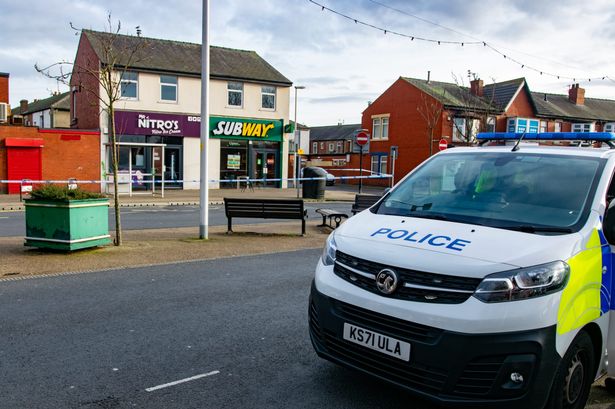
484	278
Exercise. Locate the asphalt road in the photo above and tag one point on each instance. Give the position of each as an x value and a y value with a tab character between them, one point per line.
227	333
102	340
158	217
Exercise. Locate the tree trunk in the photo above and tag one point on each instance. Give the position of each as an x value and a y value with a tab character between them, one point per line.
116	195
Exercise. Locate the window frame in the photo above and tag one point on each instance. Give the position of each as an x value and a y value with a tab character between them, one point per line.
274	94
584	125
169	84
129	81
331	147
314	147
229	91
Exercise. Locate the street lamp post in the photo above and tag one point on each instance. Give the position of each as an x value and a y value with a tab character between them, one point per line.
297	141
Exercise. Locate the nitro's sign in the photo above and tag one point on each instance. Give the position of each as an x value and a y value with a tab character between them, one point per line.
158	126
249	129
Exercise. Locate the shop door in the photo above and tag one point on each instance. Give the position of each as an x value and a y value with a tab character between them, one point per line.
265	166
23	163
173	167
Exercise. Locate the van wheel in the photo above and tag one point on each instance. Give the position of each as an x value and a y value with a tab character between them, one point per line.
574	375
609	384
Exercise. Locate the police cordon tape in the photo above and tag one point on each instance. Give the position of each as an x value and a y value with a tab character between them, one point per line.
143	181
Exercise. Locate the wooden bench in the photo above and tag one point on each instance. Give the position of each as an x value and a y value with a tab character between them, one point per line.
332	215
363	201
265	209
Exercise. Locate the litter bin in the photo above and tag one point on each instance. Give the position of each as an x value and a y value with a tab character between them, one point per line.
314	189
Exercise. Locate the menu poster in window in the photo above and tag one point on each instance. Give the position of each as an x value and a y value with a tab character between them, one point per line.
233	162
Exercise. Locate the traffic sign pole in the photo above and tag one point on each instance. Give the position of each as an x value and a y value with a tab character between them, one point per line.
360	168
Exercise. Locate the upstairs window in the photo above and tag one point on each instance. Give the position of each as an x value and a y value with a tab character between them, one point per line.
380	127
168	88
268	97
235	94
129	85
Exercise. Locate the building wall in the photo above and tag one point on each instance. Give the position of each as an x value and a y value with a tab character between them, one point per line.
407	129
521	106
4	88
65	154
189	99
86	116
60	118
41	119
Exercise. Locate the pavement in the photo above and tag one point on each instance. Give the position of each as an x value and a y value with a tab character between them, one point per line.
345	193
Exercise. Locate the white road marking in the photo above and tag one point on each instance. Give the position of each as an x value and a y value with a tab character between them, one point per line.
4	217
192	378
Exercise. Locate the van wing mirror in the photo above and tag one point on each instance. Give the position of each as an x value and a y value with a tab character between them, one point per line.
608	225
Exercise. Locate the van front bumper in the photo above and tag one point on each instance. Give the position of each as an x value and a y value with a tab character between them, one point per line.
452	368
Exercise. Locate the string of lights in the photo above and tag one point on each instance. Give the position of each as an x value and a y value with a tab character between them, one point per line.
460	43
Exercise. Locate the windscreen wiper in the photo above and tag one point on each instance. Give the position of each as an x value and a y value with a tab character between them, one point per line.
538	229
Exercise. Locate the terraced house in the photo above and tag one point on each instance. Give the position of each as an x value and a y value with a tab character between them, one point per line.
158	115
413	115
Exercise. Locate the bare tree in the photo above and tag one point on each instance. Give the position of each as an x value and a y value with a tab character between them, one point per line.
475	111
101	79
431	110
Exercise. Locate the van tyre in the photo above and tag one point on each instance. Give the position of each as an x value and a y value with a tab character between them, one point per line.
609	384
574	375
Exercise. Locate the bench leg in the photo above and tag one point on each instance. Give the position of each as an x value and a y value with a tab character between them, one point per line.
303	227
324	222
230	229
338	220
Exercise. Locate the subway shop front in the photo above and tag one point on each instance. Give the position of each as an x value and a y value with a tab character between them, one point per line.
248	147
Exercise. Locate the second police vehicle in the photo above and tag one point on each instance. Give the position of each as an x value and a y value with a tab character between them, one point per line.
484	278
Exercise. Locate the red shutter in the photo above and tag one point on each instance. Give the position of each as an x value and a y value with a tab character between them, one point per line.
23	163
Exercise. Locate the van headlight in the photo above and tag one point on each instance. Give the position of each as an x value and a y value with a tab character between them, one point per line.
328	253
524	283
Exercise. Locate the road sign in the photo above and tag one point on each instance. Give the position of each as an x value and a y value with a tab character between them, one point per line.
443	144
362	138
300	151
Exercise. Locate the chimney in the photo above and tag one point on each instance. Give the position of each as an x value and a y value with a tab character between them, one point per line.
576	95
4	87
23	106
476	87
428	76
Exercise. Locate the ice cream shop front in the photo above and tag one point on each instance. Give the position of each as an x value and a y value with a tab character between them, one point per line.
161	146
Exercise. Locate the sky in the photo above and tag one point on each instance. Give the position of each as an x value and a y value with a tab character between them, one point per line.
342	64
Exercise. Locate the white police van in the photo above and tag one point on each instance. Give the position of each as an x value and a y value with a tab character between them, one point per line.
483	279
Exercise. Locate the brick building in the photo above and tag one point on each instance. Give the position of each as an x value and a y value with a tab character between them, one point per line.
413	115
4	97
28	152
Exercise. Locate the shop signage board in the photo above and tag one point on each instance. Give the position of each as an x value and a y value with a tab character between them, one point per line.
156	123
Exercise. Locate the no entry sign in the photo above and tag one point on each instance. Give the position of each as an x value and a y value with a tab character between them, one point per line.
362	138
443	144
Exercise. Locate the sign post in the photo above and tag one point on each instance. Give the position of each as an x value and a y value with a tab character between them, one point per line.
443	144
362	138
393	154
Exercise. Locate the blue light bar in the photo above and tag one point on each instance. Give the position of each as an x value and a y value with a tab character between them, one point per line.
548	136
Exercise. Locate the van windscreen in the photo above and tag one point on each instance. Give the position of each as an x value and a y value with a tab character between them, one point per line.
522	191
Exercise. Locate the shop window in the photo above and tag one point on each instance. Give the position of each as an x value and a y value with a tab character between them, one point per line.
314	147
129	85
268	97
168	88
235	94
543	126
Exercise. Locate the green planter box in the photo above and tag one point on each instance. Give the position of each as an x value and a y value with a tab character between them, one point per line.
67	225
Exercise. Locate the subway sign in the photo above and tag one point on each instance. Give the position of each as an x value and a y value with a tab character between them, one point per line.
243	128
